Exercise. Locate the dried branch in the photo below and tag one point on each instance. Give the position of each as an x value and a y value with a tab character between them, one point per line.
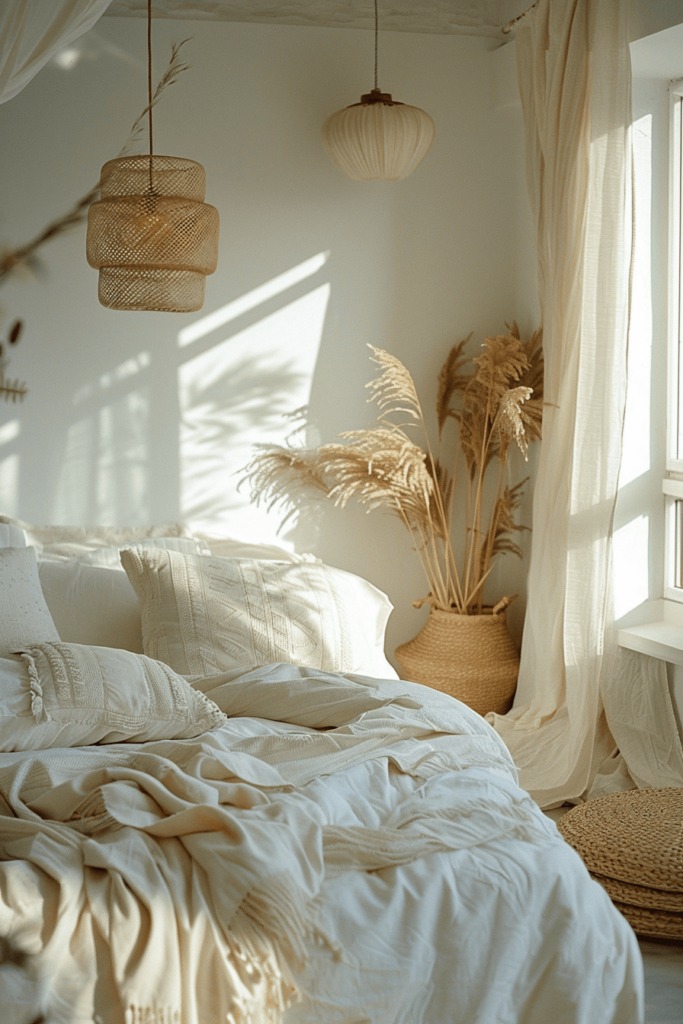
25	255
12	389
381	468
15	332
283	478
394	390
173	71
451	381
502	526
510	422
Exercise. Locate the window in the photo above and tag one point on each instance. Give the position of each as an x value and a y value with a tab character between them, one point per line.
673	483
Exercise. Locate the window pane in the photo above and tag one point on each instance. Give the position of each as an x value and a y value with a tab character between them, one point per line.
678	567
678	235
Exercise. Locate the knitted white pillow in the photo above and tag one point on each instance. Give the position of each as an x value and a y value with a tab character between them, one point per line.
204	614
67	695
24	615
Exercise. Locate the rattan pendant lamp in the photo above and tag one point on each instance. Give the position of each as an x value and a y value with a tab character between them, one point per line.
378	138
151	236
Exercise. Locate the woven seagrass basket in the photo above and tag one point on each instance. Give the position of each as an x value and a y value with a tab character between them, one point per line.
632	844
471	657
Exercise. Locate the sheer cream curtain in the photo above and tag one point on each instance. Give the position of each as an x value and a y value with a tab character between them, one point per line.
575	81
31	31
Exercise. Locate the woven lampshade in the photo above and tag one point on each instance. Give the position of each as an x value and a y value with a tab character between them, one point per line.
378	138
151	236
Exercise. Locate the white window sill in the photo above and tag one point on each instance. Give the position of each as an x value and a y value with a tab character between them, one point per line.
660	637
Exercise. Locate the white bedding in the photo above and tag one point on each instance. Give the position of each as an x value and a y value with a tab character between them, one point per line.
416	882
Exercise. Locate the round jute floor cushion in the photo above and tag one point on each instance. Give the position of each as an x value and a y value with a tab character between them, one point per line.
641	895
636	837
632	843
652	924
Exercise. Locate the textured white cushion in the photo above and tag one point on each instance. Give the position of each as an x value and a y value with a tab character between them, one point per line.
24	615
66	695
204	614
91	605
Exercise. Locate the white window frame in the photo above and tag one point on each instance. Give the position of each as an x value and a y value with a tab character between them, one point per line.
673	482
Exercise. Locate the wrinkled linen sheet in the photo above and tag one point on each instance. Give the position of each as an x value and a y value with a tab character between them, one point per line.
343	850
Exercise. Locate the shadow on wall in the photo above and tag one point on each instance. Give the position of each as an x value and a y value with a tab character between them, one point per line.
230	389
242	390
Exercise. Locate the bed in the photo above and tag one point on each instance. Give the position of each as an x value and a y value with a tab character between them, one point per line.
221	806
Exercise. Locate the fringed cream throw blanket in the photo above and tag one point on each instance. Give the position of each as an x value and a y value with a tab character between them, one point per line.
175	882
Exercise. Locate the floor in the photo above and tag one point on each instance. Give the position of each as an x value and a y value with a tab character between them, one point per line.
663	982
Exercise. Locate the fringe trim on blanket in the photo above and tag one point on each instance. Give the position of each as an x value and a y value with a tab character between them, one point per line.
259	978
152	1015
412	833
268	988
519	819
279	909
276	918
355	848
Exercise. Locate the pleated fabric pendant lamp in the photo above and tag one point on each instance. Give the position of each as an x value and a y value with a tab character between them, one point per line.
151	236
378	139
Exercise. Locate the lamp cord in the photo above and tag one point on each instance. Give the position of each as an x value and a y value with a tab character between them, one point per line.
376	35
149	89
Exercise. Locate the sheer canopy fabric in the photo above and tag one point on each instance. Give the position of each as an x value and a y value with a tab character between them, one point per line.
575	82
32	31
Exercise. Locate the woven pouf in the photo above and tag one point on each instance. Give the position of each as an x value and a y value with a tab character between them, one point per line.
632	843
471	657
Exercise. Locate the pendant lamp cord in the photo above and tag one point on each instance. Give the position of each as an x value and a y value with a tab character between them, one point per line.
376	36
149	88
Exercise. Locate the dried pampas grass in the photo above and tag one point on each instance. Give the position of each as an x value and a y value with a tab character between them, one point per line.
498	402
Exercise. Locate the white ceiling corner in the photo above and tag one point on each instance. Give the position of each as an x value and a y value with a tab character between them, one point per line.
471	17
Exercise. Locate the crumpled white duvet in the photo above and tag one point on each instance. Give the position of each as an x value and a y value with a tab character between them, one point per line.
342	851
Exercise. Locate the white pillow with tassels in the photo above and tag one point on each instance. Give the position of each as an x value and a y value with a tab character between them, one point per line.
69	695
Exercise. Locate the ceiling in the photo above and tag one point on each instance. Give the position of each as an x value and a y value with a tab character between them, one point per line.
470	17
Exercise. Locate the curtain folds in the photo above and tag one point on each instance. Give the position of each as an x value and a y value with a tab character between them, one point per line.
32	31
575	81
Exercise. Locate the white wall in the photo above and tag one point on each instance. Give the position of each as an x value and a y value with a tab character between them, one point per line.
124	424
